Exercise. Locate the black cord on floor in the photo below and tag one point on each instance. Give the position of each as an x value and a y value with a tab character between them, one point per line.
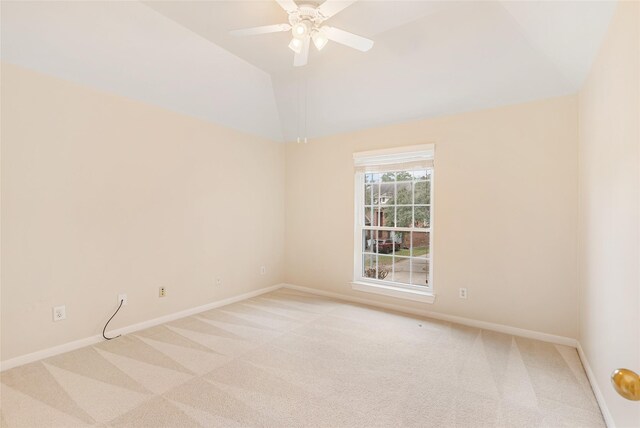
105	326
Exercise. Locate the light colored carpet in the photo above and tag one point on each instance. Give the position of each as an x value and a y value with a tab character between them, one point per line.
288	359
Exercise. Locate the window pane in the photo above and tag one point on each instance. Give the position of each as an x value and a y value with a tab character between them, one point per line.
404	216
421	192
419	271
388	177
401	267
404	243
368	188
368	216
369	266
368	240
403	194
386	242
420	244
377	216
388	216
368	178
369	269
421	174
376	194
387	193
404	176
421	216
396	237
385	267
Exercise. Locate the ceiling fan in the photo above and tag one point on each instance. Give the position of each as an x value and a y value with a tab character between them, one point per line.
305	23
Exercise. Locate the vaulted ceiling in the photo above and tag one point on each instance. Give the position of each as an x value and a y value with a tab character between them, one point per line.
429	58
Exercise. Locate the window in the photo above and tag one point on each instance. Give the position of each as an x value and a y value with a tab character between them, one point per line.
393	225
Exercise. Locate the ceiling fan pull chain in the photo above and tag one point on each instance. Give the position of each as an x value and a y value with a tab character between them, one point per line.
298	106
306	107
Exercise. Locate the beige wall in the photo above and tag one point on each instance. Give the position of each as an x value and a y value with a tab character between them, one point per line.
504	218
103	195
609	178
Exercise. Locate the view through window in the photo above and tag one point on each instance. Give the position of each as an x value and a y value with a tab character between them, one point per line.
396	227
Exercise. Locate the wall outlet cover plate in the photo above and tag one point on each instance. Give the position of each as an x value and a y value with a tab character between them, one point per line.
122	298
59	313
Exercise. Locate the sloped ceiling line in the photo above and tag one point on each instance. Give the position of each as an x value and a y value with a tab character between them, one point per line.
429	59
565	79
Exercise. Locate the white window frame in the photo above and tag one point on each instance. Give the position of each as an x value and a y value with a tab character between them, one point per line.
421	156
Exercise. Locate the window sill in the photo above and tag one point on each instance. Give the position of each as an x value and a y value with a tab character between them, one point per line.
400	293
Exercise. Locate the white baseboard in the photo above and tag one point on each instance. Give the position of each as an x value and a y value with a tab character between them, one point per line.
76	344
70	346
608	419
515	331
501	328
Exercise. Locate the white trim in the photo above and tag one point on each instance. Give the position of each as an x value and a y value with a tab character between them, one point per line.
432	247
401	229
358	223
81	343
49	352
606	415
545	337
422	152
501	328
397	292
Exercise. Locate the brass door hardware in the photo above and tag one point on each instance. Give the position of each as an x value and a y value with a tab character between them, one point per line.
626	383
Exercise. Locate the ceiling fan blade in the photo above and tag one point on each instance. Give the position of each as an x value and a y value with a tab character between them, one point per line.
300	59
348	39
276	28
331	7
288	5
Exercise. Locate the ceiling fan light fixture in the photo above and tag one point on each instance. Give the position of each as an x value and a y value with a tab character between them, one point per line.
319	39
296	45
301	29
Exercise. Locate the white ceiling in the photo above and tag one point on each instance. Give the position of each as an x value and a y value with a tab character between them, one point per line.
429	58
129	49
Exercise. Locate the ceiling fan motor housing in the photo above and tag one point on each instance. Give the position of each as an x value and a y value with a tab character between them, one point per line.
306	13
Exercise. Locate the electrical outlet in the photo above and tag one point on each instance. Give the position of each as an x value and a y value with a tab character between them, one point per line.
163	292
59	313
462	293
218	282
263	270
122	298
